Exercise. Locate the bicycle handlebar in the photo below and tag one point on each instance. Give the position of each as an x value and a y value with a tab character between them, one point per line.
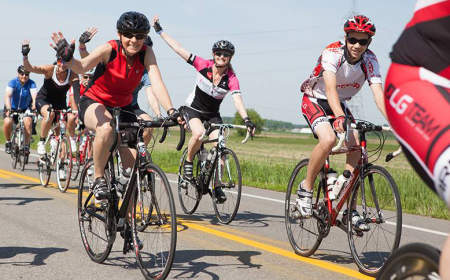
51	109
226	125
158	123
393	154
361	127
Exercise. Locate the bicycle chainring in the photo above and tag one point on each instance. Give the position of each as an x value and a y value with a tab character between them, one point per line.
323	220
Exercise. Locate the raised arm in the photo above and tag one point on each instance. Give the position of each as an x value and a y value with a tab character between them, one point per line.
100	54
42	69
84	38
169	40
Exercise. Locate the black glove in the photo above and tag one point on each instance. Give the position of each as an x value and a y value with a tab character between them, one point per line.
85	37
157	27
65	51
248	123
25	49
174	114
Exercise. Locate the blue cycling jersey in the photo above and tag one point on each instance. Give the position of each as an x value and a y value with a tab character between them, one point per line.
145	82
21	94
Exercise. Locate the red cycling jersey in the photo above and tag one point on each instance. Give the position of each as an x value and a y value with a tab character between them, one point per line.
113	84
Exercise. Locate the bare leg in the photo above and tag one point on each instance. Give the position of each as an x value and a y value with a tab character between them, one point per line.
148	131
444	265
27	122
195	142
46	124
7	128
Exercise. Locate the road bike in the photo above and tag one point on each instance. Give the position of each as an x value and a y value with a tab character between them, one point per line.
412	261
371	191
18	152
218	168
57	145
83	152
147	226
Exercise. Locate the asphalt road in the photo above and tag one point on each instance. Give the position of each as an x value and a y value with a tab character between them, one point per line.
40	239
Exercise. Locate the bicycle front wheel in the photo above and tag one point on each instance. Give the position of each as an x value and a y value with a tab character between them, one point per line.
97	236
188	192
155	232
412	261
227	176
377	201
303	233
15	150
63	164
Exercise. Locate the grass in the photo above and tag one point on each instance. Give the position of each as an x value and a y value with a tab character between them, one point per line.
267	162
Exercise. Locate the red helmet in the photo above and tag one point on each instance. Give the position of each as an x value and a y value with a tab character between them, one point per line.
360	23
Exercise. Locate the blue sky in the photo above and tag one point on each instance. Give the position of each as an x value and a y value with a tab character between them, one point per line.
277	42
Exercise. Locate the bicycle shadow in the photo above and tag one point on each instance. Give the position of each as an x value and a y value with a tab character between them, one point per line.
40	254
23	200
20	186
187	263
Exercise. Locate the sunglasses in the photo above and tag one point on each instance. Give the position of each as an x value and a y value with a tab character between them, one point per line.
224	54
86	77
138	36
24	74
362	42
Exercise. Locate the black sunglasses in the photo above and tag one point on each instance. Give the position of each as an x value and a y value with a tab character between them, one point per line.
86	77
225	54
138	36
362	42
24	74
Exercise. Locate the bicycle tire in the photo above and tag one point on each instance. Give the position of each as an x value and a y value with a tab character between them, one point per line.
144	206
373	253
65	163
22	156
303	233
159	236
188	192
410	261
14	150
92	216
231	185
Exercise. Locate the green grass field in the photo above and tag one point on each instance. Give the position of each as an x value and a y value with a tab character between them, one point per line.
268	160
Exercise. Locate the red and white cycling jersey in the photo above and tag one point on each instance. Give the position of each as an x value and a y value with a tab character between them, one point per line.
349	77
206	96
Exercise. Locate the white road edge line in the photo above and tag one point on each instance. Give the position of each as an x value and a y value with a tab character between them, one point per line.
282	201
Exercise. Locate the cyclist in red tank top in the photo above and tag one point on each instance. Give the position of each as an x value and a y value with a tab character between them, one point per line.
417	98
120	65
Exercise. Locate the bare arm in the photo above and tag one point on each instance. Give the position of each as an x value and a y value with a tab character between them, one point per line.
33	92
172	42
378	96
153	101
239	104
41	69
158	86
8	95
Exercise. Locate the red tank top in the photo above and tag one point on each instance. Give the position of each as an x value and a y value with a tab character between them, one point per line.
112	84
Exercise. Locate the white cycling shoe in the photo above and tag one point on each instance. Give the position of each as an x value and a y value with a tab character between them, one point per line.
304	201
73	145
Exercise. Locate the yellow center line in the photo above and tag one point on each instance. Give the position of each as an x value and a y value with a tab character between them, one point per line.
248	242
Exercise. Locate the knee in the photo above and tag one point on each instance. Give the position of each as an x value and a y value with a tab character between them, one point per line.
104	132
197	134
328	141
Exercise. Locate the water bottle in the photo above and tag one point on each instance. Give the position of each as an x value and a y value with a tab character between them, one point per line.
340	183
63	127
331	178
123	180
53	145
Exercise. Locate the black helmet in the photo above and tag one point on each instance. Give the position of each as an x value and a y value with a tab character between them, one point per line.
133	22
223	45
22	70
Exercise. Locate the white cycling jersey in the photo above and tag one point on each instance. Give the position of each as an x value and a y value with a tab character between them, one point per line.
349	77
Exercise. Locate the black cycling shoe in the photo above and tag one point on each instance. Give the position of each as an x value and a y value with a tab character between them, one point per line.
219	195
188	170
8	147
101	190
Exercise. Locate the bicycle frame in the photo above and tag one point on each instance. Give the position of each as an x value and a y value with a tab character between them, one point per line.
348	189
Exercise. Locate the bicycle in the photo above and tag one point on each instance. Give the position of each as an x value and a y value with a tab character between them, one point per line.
209	168
155	223
84	152
412	261
18	153
59	151
370	189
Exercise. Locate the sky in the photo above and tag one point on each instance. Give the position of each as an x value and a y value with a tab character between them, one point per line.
277	42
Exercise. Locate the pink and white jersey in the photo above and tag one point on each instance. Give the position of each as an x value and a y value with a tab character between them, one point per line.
349	77
206	96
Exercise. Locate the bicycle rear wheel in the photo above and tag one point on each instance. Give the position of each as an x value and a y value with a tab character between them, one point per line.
159	235
412	261
64	164
14	149
383	214
45	170
96	220
303	233
227	176
22	156
188	192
